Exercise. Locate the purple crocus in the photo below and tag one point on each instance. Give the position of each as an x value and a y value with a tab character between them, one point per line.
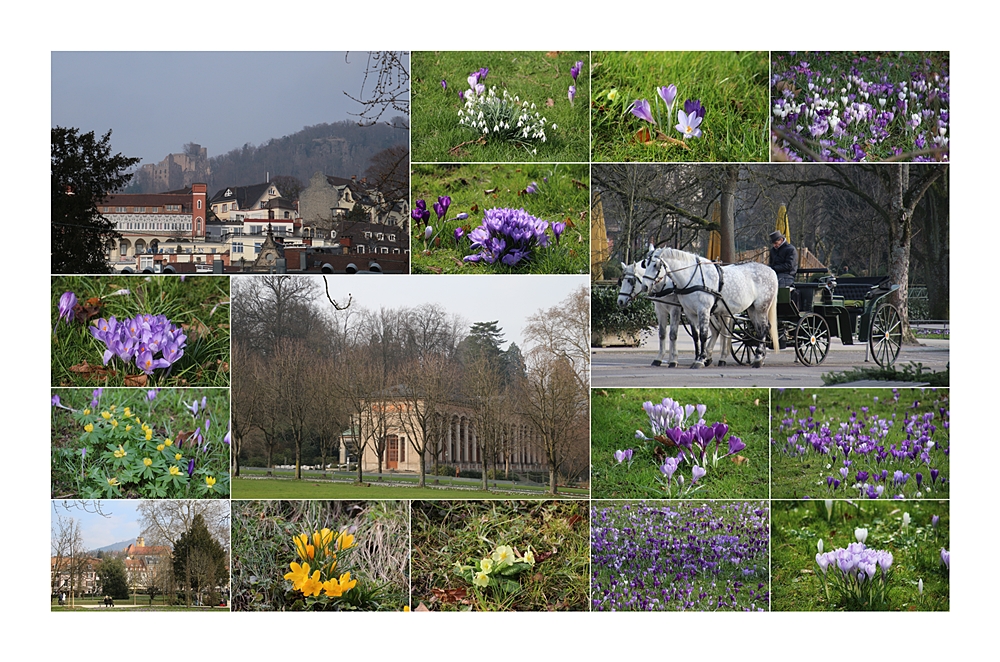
571	93
696	473
687	124
693	106
428	232
736	445
574	71
946	558
420	213
66	304
459	233
935	520
531	188
55	401
640	108
668	94
191	467
669	467
441	206
557	229
623	456
229	433
444	84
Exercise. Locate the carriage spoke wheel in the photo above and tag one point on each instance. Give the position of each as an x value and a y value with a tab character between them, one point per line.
886	335
812	339
743	341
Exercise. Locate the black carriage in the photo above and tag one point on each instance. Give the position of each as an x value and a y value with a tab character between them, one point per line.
811	313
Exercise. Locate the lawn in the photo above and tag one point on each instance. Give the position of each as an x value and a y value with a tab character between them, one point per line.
371	539
907	530
861	443
860	106
552	193
194	323
540	79
138	443
539	556
616	415
732	89
244	488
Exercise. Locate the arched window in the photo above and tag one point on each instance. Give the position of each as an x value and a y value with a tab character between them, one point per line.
199	204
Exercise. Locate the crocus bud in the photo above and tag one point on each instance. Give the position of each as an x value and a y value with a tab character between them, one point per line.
861	535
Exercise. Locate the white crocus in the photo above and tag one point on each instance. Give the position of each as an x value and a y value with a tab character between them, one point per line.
861	535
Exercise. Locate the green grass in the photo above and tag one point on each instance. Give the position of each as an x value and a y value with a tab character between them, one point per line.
732	87
84	463
446	533
797	527
536	77
263	548
325	489
804	476
563	196
141	603
616	414
199	305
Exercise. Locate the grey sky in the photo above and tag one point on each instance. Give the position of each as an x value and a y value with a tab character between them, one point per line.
155	102
98	531
478	298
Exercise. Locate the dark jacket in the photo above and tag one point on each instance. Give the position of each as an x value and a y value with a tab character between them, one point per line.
785	262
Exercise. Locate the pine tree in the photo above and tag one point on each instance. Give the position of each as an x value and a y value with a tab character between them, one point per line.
199	561
114	579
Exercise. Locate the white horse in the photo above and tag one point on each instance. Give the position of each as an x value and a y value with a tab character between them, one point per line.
667	307
705	289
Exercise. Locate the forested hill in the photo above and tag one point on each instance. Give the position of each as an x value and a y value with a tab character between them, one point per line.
343	149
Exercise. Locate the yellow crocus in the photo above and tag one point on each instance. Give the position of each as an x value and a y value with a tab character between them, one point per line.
147	461
174	471
345	540
312	586
298	575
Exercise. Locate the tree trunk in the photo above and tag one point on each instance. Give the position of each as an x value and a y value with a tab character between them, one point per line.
727	221
901	231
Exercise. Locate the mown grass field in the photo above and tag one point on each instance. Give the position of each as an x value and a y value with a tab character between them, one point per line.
305	489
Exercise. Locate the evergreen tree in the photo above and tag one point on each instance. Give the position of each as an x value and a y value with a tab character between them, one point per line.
199	561
84	173
114	579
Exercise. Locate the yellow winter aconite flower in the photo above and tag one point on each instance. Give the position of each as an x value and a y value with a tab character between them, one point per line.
168	442
128	412
114	423
160	447
210	482
149	434
86	412
89	427
113	482
298	575
147	461
406	607
312	586
127	428
482	579
178	456
105	415
113	407
120	452
174	471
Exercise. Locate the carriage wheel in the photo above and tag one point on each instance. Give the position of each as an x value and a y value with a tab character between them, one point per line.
886	335
812	339
744	341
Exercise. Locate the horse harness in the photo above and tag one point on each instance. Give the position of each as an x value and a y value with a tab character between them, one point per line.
691	289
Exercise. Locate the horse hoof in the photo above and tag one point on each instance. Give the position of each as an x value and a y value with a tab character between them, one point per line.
756	364
656	363
708	363
672	364
722	364
697	364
